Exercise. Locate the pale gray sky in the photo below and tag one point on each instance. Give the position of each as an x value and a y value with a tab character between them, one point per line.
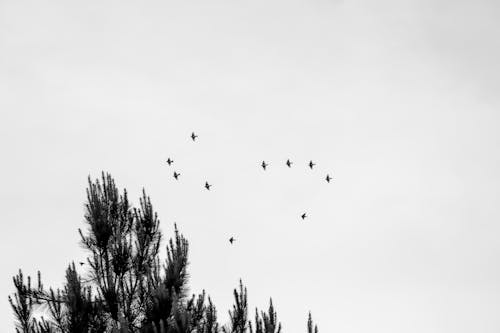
397	99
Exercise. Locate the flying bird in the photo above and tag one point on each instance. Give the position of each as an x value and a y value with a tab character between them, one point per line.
328	178
231	240
264	165
289	163
82	263
207	185
311	164
303	216
169	161
176	175
193	136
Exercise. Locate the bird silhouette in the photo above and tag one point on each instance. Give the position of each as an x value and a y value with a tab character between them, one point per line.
311	164
328	178
231	240
82	263
264	165
176	175
193	136
169	161
207	185
289	163
303	216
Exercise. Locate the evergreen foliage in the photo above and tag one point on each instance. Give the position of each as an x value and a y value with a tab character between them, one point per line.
127	289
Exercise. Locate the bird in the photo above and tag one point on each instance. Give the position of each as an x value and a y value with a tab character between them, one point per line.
311	164
207	185
231	240
169	161
82	263
289	163
176	175
303	216
328	178
193	136
264	165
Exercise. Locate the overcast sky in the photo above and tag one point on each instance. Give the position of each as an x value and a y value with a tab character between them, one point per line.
398	100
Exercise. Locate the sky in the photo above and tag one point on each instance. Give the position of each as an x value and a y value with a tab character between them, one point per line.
397	100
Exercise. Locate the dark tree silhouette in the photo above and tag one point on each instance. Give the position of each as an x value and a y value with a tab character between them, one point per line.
268	322
127	289
311	328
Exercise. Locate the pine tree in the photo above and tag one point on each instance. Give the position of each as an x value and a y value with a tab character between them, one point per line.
267	322
127	289
311	326
239	315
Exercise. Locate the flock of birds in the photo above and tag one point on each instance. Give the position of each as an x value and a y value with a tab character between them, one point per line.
264	166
